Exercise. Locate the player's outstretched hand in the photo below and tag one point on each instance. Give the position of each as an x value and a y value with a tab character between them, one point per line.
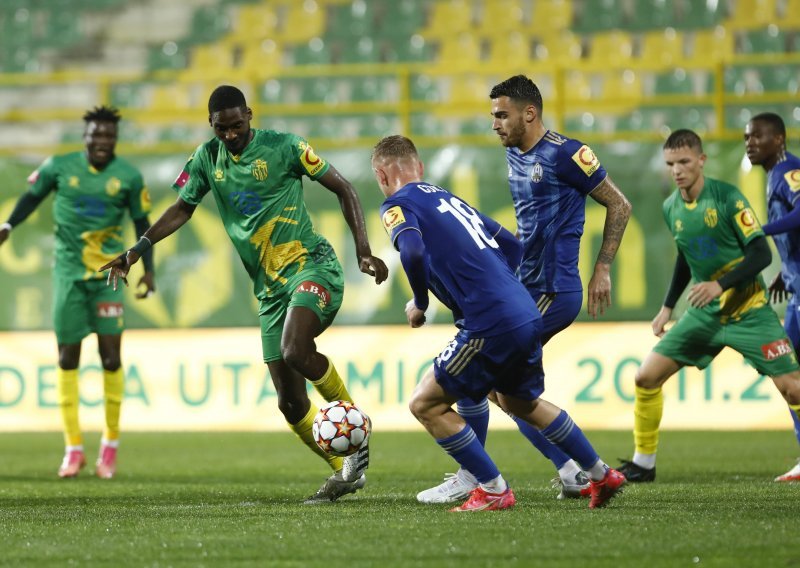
373	266
119	268
415	316
149	283
777	289
599	292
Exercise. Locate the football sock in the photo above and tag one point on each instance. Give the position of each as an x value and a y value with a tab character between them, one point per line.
113	385
541	443
331	386
569	438
647	411
303	431
468	451
496	485
68	402
647	461
795	412
476	415
568	471
109	443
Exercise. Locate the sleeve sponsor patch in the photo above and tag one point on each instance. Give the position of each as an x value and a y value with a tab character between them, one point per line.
747	222
586	160
392	218
311	162
793	180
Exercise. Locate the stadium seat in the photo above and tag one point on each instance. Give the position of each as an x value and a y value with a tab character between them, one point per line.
168	56
752	14
623	86
424	88
349	21
400	18
551	16
779	78
374	88
254	22
591	16
302	22
651	15
695	14
363	49
209	23
500	17
712	45
790	18
460	52
313	52
468	89
170	97
260	60
611	48
769	40
407	50
510	50
564	48
448	18
662	49
743	80
209	61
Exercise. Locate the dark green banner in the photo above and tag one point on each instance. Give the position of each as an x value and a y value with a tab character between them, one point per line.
201	281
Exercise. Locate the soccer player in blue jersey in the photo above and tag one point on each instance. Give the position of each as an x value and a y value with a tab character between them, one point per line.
549	176
497	347
765	143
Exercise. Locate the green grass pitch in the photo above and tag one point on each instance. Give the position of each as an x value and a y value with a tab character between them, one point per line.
234	499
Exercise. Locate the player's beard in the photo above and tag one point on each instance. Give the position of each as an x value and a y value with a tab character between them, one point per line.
515	134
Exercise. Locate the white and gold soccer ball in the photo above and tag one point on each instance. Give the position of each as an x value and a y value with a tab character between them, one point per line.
341	428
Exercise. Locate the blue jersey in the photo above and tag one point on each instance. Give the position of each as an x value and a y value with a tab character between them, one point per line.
463	257
549	184
783	191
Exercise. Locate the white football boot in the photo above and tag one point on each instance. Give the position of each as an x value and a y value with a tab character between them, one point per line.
455	487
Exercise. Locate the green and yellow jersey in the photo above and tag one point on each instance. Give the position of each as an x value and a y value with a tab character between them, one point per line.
712	232
88	209
259	195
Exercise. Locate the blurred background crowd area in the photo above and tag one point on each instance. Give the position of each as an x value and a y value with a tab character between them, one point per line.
350	71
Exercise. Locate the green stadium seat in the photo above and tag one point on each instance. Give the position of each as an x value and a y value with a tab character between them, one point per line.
209	23
770	40
312	53
598	15
424	88
696	14
780	78
652	15
677	82
411	50
400	19
363	49
168	56
742	80
127	95
372	88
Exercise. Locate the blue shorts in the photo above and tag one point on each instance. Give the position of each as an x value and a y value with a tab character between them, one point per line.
510	363
558	309
791	323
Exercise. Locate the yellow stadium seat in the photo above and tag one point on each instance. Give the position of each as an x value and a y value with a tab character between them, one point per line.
712	45
510	50
562	48
261	59
791	14
462	51
662	48
302	21
578	86
209	61
499	17
624	86
470	88
611	48
448	18
752	14
551	16
171	97
254	22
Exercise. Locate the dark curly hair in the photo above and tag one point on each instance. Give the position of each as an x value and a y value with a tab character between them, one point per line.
102	114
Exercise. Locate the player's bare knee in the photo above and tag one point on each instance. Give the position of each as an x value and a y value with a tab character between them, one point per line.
111	363
293	408
296	355
645	381
789	387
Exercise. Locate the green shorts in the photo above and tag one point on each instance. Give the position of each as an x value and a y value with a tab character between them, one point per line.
81	307
319	288
759	336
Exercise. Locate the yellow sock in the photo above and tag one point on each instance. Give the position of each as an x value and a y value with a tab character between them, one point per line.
68	401
647	411
114	388
331	386
303	431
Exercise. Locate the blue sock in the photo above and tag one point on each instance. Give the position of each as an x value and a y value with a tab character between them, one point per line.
565	434
548	449
467	450
476	415
796	421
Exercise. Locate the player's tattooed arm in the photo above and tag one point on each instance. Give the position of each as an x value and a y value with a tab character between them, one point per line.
618	211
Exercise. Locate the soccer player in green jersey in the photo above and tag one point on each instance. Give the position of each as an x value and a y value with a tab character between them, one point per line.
722	248
256	179
93	190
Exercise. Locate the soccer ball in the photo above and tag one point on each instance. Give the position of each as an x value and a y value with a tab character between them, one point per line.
341	428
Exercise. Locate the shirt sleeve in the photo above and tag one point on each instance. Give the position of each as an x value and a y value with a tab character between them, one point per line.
192	183
579	167
304	160
742	218
139	202
43	179
397	219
